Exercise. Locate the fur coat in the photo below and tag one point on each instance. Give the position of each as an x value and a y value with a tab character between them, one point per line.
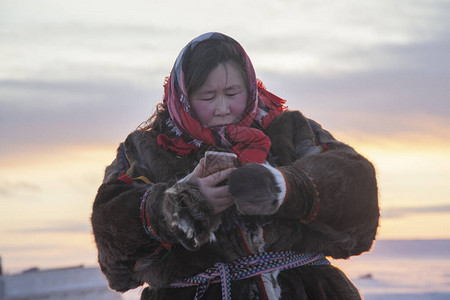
345	225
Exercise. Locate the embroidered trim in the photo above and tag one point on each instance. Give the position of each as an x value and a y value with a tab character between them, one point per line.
174	129
125	176
241	233
323	147
146	222
315	207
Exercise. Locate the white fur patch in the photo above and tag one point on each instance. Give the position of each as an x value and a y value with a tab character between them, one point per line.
280	181
171	190
185	178
184	226
273	289
255	243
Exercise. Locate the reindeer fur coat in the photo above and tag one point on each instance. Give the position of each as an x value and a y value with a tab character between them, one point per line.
345	225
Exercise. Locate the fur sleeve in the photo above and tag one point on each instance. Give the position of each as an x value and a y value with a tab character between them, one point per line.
333	192
141	211
118	233
125	250
116	219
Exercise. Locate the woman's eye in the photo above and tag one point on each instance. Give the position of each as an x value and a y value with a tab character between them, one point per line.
206	97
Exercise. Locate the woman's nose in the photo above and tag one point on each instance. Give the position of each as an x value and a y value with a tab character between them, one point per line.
222	107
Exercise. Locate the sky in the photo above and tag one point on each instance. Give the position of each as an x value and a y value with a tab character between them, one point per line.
77	76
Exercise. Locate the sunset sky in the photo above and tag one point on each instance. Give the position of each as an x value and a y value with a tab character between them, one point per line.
77	76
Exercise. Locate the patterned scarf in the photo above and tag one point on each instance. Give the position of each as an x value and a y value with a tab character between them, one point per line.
249	144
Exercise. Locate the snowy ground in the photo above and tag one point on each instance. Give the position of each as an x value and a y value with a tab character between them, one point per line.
400	270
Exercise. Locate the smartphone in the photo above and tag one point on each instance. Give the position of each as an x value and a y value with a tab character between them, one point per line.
218	161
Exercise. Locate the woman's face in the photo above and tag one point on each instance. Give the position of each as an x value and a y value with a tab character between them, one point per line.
222	99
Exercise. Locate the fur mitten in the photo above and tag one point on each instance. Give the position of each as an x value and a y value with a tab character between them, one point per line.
189	216
257	189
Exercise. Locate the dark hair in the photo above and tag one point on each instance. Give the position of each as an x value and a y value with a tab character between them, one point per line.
207	55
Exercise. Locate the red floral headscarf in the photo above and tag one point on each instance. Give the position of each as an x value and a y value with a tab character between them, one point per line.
249	144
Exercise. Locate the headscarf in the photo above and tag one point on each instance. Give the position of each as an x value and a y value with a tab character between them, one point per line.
249	144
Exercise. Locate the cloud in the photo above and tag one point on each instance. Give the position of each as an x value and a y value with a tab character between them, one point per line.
8	189
69	227
410	249
101	83
400	212
409	95
72	113
406	92
27	248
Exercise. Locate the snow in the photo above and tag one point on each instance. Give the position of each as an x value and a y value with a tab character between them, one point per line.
73	283
395	269
401	270
412	269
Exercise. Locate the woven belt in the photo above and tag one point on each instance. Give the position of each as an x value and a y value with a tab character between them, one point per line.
247	267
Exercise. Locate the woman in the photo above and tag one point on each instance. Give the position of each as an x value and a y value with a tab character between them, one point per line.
259	228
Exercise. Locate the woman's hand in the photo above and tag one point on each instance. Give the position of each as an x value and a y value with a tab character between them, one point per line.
213	192
192	206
